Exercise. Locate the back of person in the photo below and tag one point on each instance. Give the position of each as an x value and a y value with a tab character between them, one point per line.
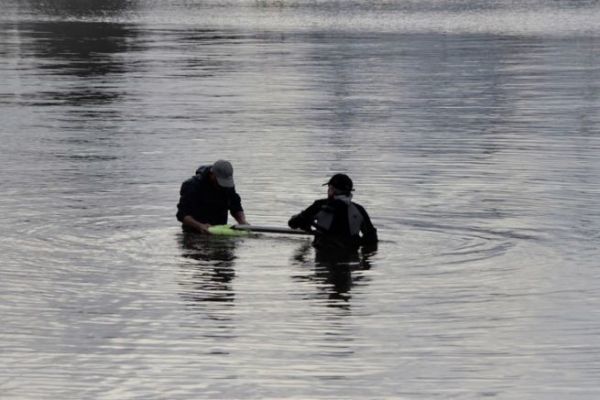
207	197
203	201
338	222
338	225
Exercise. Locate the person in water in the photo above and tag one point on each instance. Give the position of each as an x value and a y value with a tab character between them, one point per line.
206	198
338	222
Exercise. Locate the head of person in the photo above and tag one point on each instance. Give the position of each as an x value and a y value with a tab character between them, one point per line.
221	173
339	184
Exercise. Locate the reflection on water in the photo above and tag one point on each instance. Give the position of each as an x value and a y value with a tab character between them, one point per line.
82	61
79	8
210	277
470	129
333	272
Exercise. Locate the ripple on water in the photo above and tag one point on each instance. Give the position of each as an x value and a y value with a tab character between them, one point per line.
476	156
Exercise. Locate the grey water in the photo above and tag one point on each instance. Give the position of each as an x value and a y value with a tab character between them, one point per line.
471	130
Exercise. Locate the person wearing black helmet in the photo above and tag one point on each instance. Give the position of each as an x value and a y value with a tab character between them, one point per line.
206	198
337	221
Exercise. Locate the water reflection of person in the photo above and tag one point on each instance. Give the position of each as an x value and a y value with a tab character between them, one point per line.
209	277
335	268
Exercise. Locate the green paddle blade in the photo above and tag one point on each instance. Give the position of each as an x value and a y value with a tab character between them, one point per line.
225	230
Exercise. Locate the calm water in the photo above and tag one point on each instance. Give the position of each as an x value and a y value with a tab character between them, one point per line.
472	132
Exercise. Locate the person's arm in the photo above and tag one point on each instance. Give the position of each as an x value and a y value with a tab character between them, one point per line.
369	233
185	208
190	221
240	217
235	207
305	219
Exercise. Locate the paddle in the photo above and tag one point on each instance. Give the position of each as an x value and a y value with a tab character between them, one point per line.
245	230
225	230
269	229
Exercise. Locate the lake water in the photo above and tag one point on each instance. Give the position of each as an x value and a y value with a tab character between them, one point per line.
471	130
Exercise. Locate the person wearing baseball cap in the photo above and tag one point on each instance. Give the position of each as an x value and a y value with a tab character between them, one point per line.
337	221
207	197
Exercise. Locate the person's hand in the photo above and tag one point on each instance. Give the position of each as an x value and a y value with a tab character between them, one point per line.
203	228
196	225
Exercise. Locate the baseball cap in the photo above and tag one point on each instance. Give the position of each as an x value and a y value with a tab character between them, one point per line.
224	173
341	182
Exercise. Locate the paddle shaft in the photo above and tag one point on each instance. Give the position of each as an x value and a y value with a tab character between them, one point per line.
270	229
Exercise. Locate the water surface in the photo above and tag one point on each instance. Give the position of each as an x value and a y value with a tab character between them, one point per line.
471	130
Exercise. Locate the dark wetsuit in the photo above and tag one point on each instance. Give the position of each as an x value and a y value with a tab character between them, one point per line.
205	202
338	224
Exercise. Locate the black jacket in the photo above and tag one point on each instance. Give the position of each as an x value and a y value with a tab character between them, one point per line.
338	223
206	202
